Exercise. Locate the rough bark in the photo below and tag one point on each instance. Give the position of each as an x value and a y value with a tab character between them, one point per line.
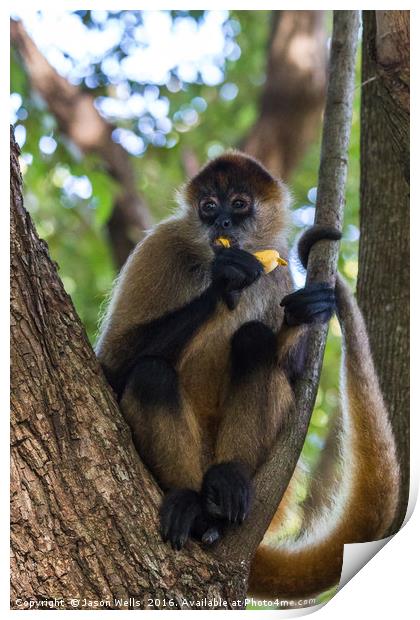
79	120
84	510
383	280
322	266
293	95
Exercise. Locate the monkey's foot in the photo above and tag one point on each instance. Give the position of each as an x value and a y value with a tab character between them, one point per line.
226	492
313	304
179	511
206	529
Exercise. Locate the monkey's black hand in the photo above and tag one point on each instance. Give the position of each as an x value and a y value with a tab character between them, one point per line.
180	508
313	304
226	492
233	270
182	516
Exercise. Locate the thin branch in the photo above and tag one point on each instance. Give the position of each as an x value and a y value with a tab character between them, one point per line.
78	119
272	480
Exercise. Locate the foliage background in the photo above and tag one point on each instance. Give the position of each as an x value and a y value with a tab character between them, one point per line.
70	196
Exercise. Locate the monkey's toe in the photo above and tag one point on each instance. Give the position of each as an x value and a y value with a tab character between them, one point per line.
227	492
211	536
206	528
179	510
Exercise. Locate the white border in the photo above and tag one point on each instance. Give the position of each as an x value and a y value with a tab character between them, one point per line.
386	585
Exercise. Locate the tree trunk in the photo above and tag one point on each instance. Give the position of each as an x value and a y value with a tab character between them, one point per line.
78	119
293	96
383	281
84	515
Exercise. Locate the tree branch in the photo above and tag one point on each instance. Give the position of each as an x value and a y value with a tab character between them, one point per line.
78	119
270	484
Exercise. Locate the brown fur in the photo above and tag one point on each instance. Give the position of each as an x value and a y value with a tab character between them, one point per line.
219	421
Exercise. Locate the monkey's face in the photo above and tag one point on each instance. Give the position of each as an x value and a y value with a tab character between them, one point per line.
234	197
226	213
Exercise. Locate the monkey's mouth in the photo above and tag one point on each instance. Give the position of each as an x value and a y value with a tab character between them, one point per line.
215	243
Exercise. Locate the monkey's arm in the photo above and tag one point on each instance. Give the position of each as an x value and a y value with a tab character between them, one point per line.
166	336
163	337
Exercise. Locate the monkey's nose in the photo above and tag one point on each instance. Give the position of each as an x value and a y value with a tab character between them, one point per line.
224	223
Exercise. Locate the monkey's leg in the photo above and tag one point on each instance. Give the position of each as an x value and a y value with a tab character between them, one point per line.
167	436
258	399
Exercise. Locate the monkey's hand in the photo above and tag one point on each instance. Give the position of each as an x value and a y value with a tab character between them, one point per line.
182	516
179	510
233	270
226	492
312	304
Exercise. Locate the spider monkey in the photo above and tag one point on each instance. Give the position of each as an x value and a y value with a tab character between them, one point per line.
203	351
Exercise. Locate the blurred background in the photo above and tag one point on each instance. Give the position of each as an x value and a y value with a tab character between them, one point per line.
114	109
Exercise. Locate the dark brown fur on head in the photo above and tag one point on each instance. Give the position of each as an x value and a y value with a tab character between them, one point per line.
234	171
236	174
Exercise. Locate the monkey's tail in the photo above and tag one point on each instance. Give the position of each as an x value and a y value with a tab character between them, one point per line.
365	503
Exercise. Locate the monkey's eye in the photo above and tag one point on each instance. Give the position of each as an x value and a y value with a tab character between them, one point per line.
208	207
239	204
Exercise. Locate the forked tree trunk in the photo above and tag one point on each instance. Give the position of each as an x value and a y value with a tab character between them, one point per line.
84	510
383	281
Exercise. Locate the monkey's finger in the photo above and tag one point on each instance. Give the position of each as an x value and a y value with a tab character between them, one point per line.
246	500
226	500
245	261
213	505
165	519
244	503
237	489
316	313
233	278
234	504
240	500
311	308
307	294
173	528
181	527
211	535
308	309
252	268
232	254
